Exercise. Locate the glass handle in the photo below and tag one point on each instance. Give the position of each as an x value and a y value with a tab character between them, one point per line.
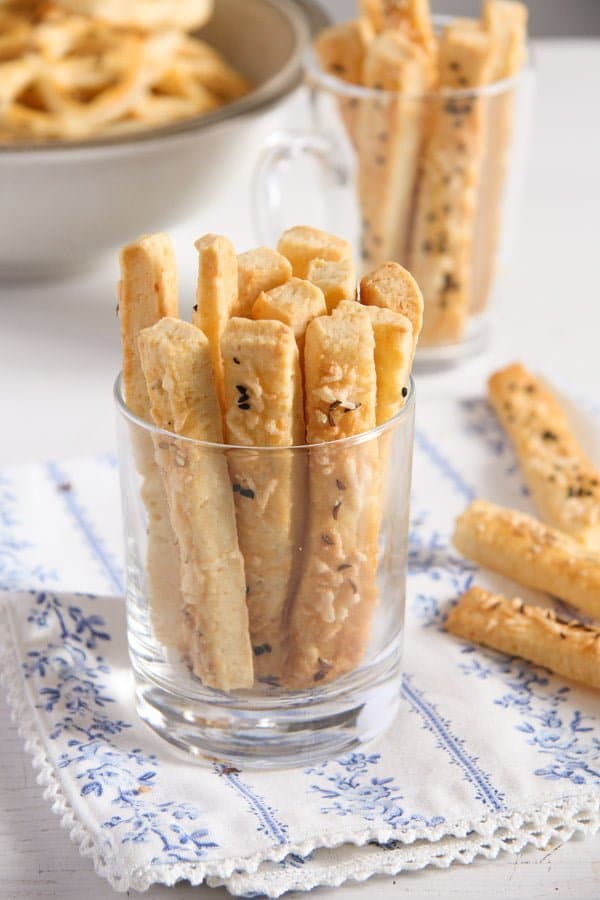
285	150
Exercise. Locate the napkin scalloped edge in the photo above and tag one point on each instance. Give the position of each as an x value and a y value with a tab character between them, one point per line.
459	842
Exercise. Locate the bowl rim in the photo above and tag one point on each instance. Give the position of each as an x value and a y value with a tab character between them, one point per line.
282	83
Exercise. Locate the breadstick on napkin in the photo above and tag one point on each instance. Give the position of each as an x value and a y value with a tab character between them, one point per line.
216	295
506	23
389	143
521	548
177	365
302	244
443	233
337	280
264	408
147	292
341	51
340	398
392	287
564	484
259	270
568	648
295	303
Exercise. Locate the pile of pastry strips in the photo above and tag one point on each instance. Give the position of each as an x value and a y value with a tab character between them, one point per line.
561	557
279	354
66	76
431	163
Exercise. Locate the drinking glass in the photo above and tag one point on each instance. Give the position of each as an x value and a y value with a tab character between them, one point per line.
330	680
432	181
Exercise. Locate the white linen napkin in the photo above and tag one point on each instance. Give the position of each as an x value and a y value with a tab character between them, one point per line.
487	754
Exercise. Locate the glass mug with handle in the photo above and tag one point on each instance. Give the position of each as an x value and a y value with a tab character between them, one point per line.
431	180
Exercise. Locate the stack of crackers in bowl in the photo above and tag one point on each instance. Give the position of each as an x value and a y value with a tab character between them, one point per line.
430	114
560	556
80	69
263	500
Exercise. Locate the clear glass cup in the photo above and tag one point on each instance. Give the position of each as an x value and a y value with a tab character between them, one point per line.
369	173
334	682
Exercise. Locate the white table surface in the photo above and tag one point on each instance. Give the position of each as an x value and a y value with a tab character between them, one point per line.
58	356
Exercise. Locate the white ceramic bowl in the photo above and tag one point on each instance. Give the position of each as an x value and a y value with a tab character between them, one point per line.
66	206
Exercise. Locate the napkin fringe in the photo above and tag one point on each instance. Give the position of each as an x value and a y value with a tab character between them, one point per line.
407	849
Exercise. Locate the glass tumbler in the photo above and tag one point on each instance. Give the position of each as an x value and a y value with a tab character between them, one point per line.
299	657
431	181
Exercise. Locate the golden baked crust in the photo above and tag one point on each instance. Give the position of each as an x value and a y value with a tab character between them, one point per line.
302	244
259	270
568	648
393	287
564	484
337	280
295	303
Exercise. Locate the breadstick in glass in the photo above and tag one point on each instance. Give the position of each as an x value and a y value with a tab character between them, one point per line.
147	292
443	233
216	295
392	287
330	614
337	280
295	303
177	365
264	408
390	136
259	270
302	244
568	648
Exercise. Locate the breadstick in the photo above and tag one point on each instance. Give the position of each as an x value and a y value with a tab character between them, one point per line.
506	23
568	648
337	280
413	18
177	365
564	484
259	270
521	548
393	360
330	614
389	143
393	287
302	244
216	295
295	303
443	232
264	408
341	51
147	292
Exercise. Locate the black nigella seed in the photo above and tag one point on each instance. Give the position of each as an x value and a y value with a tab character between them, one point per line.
195	307
236	360
244	406
405	392
262	648
340	484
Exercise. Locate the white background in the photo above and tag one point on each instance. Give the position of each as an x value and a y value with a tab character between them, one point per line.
58	357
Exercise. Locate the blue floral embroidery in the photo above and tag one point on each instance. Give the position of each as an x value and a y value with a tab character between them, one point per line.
432	562
453	746
348	787
69	677
268	823
109	567
570	739
16	569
